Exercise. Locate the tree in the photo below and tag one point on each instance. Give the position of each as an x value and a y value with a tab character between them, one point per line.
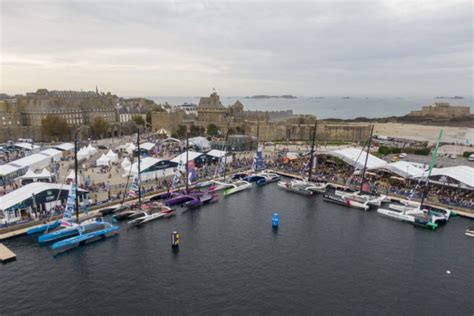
99	127
231	131
55	127
195	131
181	131
239	130
138	119
212	130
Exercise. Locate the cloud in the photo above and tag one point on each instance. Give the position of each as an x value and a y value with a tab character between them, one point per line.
185	48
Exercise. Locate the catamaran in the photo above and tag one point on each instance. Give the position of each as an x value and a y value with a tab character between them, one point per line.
419	215
300	187
237	186
153	212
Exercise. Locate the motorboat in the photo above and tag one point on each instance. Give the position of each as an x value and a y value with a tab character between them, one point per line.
96	231
152	215
296	187
470	231
237	186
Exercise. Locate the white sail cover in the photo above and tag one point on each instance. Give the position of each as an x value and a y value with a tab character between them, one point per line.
103	161
113	157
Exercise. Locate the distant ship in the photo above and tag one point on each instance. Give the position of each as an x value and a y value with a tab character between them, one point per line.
264	96
456	97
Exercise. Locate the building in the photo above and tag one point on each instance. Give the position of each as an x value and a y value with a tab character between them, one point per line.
441	110
188	108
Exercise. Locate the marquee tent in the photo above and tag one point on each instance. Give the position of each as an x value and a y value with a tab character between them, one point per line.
103	161
113	157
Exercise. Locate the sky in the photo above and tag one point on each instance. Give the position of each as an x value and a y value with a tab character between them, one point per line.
187	48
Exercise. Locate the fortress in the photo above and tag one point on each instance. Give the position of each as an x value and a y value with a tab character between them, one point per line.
441	110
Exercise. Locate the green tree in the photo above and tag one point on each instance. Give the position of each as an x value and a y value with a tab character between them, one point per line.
99	127
195	131
239	130
231	131
55	127
138	119
212	130
181	131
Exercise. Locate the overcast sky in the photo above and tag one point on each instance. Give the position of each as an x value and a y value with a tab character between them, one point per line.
170	48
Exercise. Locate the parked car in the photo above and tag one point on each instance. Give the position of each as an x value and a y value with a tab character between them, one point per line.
471	157
403	155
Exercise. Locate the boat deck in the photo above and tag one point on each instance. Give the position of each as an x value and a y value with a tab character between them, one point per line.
6	254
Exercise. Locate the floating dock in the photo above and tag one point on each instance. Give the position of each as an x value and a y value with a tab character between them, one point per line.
6	254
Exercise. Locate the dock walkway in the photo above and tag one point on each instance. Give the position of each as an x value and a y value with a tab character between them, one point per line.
6	254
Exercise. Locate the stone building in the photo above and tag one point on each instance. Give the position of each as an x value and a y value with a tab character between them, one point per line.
441	110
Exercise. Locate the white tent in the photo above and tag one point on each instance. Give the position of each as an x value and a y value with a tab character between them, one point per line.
91	149
103	161
356	157
462	174
83	153
131	148
404	169
219	154
147	146
201	142
113	157
45	173
125	164
71	176
30	174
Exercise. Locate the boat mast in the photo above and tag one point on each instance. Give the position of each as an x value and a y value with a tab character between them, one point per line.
256	153
76	199
366	158
312	150
139	176
187	161
225	151
433	161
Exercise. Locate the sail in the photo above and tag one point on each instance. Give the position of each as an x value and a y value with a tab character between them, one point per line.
191	172
85	207
70	205
133	191
220	167
259	164
177	174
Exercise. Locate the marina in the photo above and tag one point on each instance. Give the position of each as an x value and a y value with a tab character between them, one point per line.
231	245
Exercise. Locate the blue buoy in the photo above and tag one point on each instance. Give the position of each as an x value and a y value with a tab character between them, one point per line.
275	220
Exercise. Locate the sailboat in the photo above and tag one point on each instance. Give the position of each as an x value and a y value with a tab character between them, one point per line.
306	186
77	233
420	215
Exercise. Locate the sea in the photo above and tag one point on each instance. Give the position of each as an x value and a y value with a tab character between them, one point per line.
323	259
330	107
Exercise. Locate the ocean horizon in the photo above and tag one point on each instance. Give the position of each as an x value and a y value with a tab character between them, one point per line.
325	107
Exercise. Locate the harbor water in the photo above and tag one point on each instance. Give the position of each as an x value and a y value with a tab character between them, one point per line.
323	258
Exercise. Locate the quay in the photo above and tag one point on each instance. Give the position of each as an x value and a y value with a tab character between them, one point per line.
6	255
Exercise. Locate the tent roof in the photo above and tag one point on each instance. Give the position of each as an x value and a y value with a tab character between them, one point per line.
216	153
65	146
45	173
356	157
200	141
7	169
463	174
145	163
111	154
147	146
51	152
171	139
30	174
403	169
29	160
26	146
103	158
25	192
182	157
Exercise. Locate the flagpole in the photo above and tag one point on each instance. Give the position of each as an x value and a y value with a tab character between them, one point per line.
76	202
139	176
187	157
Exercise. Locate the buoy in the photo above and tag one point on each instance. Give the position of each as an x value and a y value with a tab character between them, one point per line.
448	272
275	220
175	239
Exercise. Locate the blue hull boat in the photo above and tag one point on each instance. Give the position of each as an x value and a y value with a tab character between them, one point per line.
59	234
86	238
43	228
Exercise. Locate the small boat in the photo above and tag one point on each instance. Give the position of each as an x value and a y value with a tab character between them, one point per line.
128	213
237	187
270	176
370	199
258	179
100	230
180	199
152	215
114	209
42	228
342	200
201	200
66	232
239	176
417	218
469	231
316	187
295	187
219	185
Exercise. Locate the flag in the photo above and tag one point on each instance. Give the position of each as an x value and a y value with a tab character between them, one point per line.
133	191
191	172
70	205
259	164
